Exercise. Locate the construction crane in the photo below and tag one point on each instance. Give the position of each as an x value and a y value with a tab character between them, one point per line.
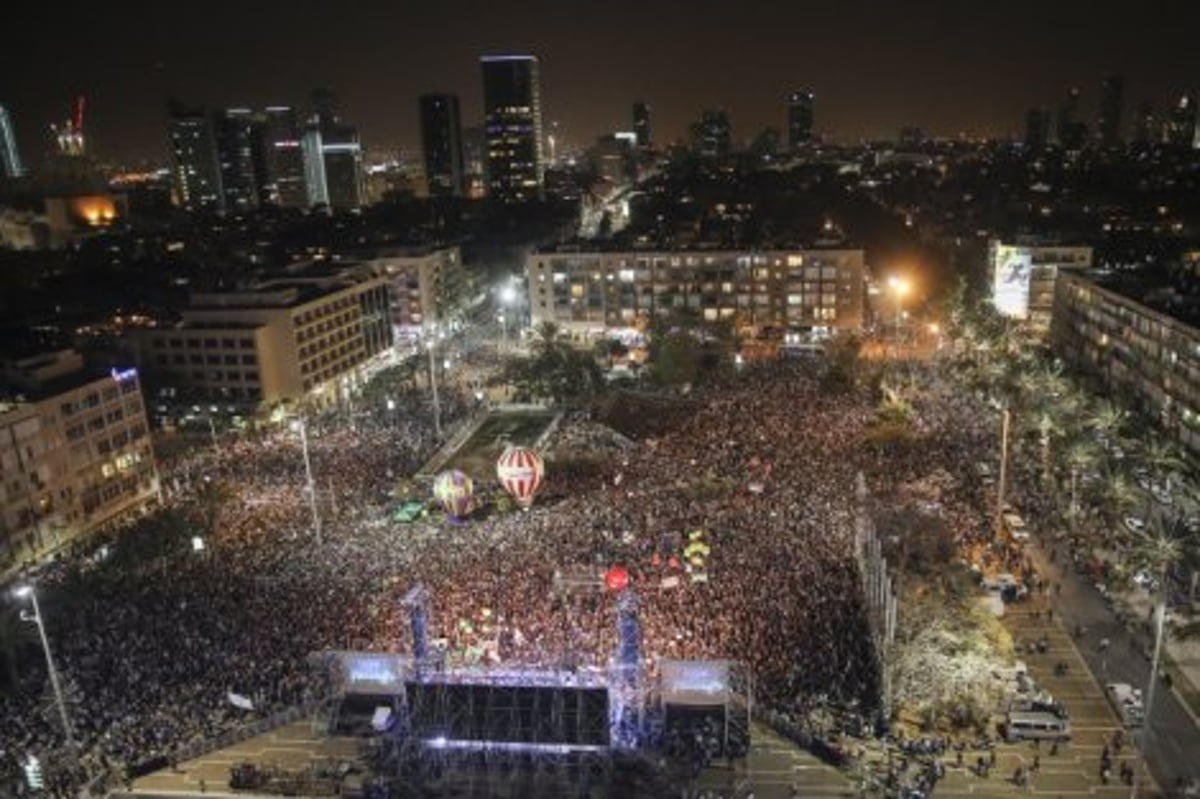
69	137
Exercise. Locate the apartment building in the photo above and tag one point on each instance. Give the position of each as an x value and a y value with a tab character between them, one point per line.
75	454
1142	354
307	336
588	293
426	285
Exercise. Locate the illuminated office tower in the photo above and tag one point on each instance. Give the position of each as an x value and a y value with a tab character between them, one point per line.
10	158
512	109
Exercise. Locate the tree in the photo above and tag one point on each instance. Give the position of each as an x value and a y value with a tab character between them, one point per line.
1165	544
556	370
675	358
1109	420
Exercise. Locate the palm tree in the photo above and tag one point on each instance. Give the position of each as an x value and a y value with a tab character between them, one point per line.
1162	456
1108	420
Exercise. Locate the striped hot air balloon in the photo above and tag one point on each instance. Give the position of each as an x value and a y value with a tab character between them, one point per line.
520	470
454	490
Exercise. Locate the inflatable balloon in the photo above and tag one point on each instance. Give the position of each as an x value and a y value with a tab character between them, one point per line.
454	490
616	578
520	470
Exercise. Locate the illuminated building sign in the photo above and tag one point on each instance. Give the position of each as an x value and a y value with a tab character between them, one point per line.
1011	268
121	375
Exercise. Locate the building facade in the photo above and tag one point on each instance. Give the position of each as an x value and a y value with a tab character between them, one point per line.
235	134
512	111
588	293
282	158
641	124
1112	103
195	165
1023	277
441	139
75	456
1141	354
800	118
426	286
303	337
10	156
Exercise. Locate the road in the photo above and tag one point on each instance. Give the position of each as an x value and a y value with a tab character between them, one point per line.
1173	743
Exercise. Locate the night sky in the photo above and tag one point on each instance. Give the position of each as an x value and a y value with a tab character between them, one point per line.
947	67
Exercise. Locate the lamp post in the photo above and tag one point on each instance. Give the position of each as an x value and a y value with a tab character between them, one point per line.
437	408
508	298
1005	421
299	426
28	592
900	287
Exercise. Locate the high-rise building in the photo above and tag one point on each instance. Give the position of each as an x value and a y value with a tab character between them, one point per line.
315	184
712	135
512	110
283	180
1112	96
10	157
1072	132
196	167
1145	124
344	171
235	134
441	138
800	118
1181	123
641	124
1037	128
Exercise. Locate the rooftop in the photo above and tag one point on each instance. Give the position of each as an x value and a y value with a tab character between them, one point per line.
1171	290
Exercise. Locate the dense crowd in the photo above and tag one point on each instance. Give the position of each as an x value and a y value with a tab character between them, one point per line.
153	638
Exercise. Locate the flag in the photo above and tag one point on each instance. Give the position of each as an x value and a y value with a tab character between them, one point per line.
239	701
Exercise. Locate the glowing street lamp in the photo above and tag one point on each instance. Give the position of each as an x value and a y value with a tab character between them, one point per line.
28	592
900	287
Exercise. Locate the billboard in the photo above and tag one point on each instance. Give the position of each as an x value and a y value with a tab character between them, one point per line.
1011	268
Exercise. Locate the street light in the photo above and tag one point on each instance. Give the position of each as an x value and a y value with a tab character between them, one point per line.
900	287
298	426
27	592
508	298
437	408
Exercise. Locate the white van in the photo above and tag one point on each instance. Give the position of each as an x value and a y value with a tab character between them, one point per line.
1015	526
1127	701
1022	726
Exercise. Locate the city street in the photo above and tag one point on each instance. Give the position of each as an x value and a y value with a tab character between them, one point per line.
1175	736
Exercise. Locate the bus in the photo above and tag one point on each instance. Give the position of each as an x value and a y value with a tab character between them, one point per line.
1031	726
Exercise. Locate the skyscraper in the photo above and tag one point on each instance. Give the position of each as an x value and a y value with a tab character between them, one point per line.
441	138
1145	125
512	112
1181	123
641	124
1072	133
712	135
234	131
333	158
195	166
282	181
1108	126
1037	128
800	118
10	158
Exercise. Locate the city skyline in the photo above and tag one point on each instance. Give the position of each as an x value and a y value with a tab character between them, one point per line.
927	65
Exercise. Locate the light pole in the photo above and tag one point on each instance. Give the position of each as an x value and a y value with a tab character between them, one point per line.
299	426
437	408
1005	419
900	287
508	298
27	591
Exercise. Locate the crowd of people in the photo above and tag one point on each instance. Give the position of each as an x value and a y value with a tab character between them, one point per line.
153	646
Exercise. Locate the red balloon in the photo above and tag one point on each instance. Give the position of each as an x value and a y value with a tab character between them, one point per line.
616	578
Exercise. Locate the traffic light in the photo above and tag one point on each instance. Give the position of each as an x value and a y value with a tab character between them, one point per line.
33	772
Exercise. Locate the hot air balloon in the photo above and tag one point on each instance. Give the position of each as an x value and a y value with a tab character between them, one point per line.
520	470
454	490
